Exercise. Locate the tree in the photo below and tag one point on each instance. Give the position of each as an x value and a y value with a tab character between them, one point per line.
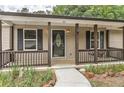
100	11
24	10
39	12
48	12
18	10
1	10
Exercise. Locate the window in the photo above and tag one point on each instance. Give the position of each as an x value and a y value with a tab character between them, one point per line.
92	40
30	39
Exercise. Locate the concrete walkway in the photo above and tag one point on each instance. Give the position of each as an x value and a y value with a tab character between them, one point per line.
70	78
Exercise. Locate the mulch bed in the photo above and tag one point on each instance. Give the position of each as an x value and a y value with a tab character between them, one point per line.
108	79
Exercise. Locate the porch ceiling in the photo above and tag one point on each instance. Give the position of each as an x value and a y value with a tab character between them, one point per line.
24	20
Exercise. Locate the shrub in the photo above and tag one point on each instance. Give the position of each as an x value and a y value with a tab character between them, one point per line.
15	72
47	76
4	79
28	76
100	69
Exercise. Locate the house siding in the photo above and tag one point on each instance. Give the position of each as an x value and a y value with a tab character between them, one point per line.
6	37
116	38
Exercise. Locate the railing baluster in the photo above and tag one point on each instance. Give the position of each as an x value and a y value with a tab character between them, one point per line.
24	58
104	55
41	59
2	63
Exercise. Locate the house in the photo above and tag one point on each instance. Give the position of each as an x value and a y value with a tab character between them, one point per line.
35	40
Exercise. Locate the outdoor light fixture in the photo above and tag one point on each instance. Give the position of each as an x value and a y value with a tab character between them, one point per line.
67	30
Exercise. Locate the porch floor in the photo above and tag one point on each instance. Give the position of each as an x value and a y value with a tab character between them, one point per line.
62	62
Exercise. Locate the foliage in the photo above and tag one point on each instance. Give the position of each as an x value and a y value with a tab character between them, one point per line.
34	78
1	10
100	69
4	79
15	72
42	12
7	78
30	78
47	76
39	12
24	10
99	11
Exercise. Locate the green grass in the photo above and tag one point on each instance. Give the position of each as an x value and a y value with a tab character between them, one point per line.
30	78
100	69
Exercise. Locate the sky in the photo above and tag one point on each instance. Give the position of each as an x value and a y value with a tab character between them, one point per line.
14	8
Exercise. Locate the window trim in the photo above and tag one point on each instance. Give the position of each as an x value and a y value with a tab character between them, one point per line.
29	39
97	40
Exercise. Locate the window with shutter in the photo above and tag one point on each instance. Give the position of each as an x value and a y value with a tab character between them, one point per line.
30	39
90	39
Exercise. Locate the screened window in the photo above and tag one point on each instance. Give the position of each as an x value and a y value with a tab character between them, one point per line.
92	40
30	39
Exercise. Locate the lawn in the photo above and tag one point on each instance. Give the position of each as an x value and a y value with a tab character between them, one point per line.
105	75
27	78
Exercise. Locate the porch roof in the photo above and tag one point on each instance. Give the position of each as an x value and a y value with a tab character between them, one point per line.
42	19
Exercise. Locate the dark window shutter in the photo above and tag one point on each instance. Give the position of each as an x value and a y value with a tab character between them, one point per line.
101	39
87	39
39	39
20	39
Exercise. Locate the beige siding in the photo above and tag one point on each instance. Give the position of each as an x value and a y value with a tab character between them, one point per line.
15	38
82	38
115	38
45	38
70	44
6	37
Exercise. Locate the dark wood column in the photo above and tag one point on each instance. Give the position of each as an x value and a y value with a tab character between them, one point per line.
107	42
49	43
107	39
95	43
76	43
0	43
12	38
123	41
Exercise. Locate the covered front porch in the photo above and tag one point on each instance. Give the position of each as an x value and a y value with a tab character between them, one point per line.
82	40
